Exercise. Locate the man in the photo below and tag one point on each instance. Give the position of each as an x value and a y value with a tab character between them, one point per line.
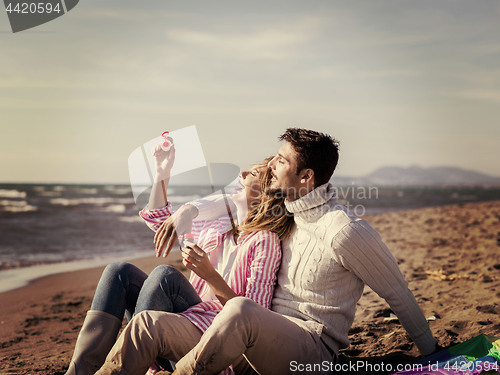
326	262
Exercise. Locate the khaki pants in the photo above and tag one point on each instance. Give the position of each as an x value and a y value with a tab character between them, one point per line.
272	343
151	334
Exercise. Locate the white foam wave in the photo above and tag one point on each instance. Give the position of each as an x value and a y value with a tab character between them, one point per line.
130	219
117	208
16	206
4	193
49	193
119	190
95	201
89	191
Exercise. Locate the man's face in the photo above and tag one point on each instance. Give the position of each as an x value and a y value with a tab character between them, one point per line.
284	170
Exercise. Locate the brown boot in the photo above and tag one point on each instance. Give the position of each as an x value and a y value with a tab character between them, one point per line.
96	338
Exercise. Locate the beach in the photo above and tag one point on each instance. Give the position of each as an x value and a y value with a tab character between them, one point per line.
450	255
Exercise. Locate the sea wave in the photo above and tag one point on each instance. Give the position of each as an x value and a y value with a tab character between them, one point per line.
89	191
98	201
116	208
43	193
131	219
118	190
4	193
16	206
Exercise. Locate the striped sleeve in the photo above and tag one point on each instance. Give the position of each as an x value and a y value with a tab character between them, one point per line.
203	313
264	265
155	218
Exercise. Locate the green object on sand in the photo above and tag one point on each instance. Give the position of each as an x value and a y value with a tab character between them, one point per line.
478	347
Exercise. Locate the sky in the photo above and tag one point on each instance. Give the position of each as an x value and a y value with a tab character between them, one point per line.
397	82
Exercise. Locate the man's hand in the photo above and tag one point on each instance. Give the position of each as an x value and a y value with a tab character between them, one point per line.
176	225
195	259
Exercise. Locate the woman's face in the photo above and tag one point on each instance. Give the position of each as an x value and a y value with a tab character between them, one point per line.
251	184
249	196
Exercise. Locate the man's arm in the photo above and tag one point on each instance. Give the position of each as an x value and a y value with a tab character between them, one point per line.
362	251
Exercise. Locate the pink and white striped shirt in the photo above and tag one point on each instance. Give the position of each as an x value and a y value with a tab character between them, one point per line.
253	273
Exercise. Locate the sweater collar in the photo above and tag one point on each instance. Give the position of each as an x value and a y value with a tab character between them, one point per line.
311	205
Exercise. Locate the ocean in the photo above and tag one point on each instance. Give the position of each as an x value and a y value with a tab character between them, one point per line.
49	228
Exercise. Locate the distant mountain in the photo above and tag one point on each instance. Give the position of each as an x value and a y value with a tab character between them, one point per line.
418	176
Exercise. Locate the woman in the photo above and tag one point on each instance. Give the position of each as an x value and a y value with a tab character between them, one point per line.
227	261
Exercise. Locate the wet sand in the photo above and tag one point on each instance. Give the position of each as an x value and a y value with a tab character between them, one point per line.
449	255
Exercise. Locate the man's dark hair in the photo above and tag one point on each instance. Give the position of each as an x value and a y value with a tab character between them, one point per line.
317	151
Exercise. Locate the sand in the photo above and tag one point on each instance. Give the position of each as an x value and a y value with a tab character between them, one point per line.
450	256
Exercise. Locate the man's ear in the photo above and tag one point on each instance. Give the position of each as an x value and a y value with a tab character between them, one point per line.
307	176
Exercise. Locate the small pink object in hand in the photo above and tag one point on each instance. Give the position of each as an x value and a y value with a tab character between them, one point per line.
189	237
166	145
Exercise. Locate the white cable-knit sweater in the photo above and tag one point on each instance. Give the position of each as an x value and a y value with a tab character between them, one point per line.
326	262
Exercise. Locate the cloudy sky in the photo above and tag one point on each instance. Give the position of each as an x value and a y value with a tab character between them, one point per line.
398	82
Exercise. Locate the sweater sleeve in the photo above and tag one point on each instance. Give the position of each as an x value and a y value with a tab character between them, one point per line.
361	251
155	218
213	207
261	278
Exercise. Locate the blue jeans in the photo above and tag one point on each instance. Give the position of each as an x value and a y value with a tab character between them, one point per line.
126	290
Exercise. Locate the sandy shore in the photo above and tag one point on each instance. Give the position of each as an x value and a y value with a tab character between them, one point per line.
450	256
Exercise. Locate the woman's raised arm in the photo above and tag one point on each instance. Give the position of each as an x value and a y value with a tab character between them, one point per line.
164	161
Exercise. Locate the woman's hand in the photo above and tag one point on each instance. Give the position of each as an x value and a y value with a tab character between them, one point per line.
164	160
195	259
176	225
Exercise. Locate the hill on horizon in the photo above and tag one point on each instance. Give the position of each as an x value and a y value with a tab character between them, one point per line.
420	176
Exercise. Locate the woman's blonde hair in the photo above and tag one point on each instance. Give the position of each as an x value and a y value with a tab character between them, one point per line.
270	212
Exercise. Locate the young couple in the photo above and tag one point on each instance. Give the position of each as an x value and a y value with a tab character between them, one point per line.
230	315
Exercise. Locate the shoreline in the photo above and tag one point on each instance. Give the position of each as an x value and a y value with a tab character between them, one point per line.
18	277
40	321
14	277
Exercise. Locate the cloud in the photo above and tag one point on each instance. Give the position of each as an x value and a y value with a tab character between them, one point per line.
479	94
266	43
